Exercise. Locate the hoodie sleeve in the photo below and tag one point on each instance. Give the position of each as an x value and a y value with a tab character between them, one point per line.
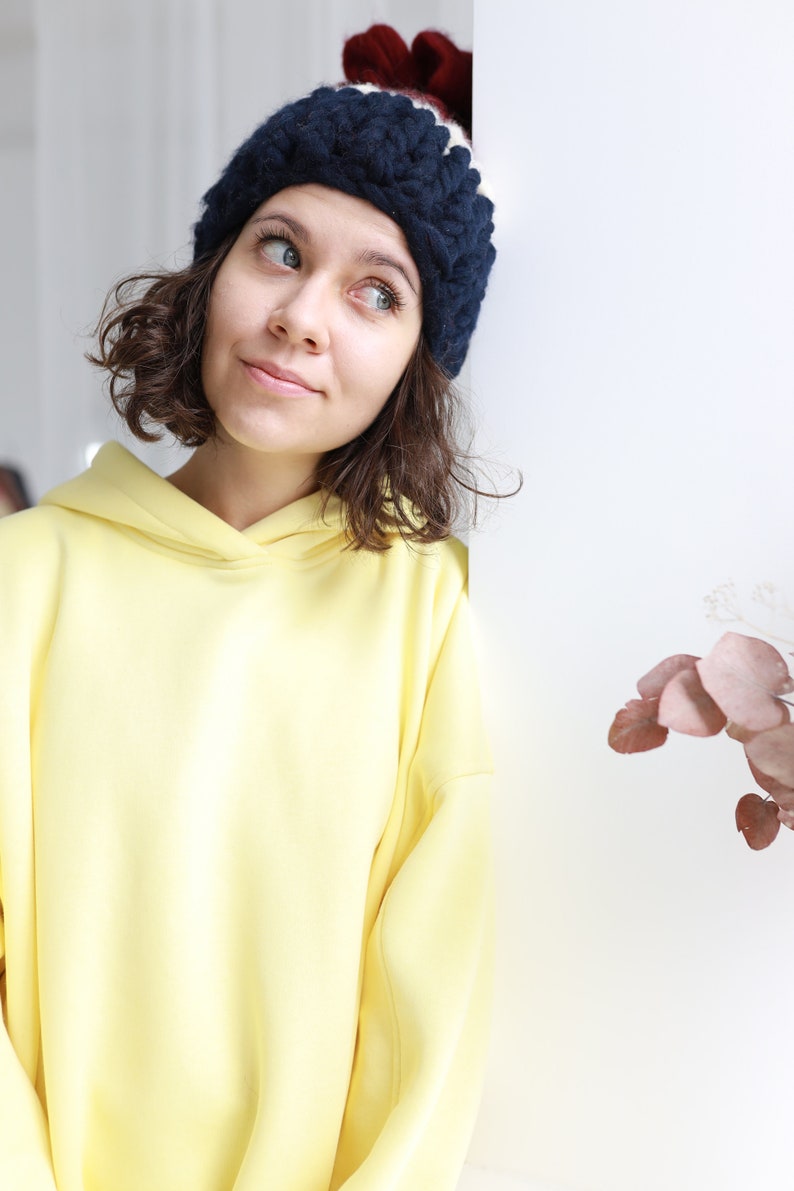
425	1004
24	1137
24	1140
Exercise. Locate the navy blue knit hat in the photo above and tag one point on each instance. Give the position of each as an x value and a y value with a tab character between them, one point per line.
399	153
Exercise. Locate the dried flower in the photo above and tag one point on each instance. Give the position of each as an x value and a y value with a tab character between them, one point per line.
738	687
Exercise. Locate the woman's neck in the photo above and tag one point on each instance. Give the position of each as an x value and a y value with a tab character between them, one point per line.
243	486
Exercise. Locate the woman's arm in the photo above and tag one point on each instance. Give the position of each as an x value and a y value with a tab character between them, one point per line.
24	1139
425	1005
423	1024
26	613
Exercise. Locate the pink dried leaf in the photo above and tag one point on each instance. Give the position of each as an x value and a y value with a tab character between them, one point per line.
785	800
635	728
686	707
786	818
758	820
782	794
737	732
772	752
653	683
744	675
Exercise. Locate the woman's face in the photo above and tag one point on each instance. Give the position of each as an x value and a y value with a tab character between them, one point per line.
313	317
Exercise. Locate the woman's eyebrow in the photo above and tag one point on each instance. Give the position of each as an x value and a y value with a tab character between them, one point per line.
371	257
298	230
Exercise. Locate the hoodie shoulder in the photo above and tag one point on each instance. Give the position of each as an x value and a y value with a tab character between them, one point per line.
31	569
31	536
121	493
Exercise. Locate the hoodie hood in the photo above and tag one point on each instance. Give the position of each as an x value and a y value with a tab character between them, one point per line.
119	488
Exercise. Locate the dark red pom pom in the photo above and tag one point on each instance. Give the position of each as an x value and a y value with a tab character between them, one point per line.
378	56
434	66
446	72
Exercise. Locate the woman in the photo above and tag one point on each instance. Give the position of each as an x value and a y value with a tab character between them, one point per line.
244	858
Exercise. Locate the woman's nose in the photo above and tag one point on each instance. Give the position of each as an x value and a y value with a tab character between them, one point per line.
302	315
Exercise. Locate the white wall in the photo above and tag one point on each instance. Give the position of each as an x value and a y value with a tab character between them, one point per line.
635	358
19	375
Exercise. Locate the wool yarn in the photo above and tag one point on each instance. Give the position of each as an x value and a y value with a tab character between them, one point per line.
396	151
433	65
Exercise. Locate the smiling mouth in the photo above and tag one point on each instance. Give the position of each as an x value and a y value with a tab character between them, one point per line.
278	380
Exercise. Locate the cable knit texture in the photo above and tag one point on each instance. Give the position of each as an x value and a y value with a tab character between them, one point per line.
395	153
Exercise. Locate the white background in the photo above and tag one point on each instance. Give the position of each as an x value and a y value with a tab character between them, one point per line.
635	360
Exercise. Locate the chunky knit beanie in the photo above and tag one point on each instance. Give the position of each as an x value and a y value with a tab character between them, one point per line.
397	149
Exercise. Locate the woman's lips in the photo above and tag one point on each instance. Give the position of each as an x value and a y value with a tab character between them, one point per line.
278	380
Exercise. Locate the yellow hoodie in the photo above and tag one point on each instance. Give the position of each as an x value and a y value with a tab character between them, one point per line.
244	850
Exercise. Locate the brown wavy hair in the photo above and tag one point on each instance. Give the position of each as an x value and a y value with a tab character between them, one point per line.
404	474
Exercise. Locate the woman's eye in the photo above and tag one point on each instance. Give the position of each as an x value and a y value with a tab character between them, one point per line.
281	252
377	297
